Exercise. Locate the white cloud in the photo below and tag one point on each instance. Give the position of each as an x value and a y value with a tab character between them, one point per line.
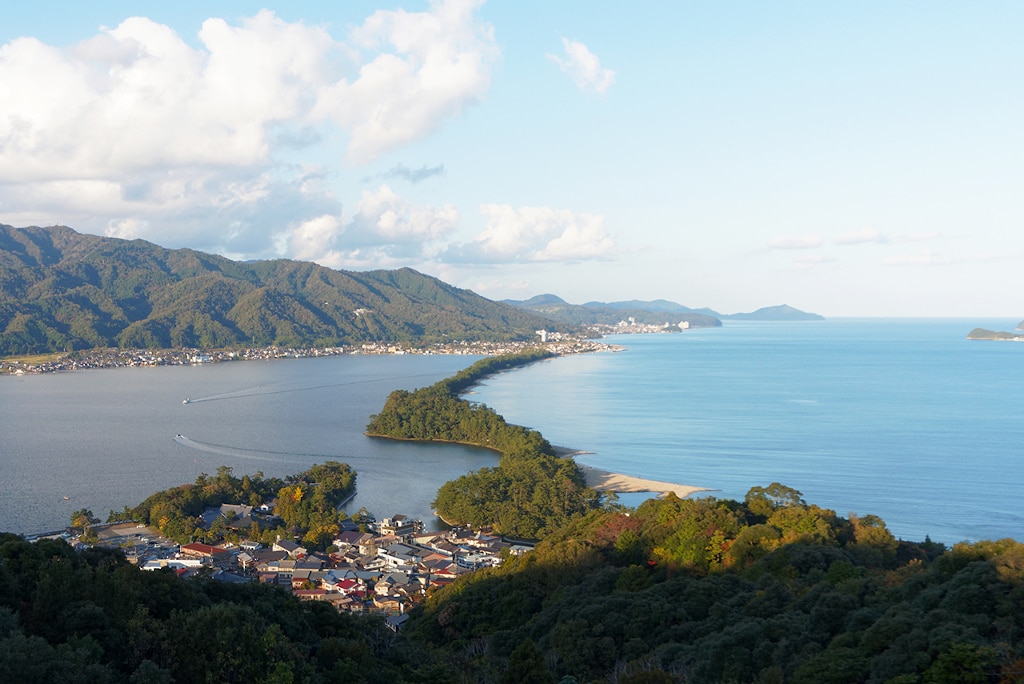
385	218
385	230
583	67
126	229
138	98
438	63
313	239
866	235
796	242
136	132
531	234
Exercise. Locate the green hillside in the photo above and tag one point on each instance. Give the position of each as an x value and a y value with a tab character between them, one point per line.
62	290
769	589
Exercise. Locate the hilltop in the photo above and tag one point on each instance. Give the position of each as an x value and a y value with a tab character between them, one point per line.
782	312
62	290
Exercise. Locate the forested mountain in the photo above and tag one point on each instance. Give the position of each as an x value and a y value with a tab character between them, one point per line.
63	290
783	312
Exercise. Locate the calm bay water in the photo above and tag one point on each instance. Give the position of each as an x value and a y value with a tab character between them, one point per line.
905	419
109	438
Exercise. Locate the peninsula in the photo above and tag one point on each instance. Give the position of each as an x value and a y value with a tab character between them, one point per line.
607	481
535	489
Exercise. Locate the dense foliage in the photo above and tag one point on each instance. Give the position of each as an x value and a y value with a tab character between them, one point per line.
437	413
307	505
61	290
530	493
767	590
771	589
91	617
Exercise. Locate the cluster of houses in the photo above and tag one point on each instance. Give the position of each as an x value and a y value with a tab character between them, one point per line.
127	358
385	569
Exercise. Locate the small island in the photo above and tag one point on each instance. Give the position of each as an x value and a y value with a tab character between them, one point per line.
984	334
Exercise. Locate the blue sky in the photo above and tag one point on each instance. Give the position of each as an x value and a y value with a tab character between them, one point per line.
851	159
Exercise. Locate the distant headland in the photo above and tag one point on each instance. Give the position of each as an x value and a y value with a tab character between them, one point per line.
985	334
655	312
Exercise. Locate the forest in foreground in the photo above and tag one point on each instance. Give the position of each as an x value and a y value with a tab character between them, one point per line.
769	589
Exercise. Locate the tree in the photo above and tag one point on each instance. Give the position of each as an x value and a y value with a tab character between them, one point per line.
82	519
526	666
764	501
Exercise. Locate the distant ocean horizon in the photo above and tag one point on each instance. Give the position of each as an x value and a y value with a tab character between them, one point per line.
901	418
905	419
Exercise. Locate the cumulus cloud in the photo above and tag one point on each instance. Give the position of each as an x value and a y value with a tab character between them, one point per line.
383	231
383	216
136	132
796	242
435	65
866	235
535	234
138	97
583	67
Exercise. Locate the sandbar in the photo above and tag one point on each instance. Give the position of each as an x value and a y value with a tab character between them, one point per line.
606	481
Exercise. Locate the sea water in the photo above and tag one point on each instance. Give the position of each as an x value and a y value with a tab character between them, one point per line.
905	419
104	439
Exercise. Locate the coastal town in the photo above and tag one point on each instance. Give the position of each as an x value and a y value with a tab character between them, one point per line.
142	358
382	567
557	343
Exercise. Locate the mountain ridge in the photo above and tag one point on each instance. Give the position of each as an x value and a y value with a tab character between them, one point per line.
63	290
651	312
558	309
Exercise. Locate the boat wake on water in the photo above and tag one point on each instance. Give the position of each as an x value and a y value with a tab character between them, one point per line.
260	391
255	454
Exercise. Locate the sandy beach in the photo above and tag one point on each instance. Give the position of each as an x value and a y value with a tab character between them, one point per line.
606	481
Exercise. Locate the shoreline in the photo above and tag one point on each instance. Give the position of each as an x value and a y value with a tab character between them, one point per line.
619	483
596	478
112	357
